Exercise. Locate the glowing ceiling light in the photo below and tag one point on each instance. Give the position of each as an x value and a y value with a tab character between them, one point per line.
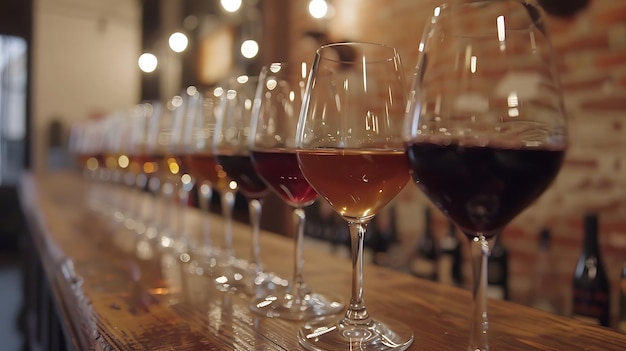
231	5
147	62
318	8
249	48
178	42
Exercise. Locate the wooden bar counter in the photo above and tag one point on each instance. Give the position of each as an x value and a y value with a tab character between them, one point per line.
116	291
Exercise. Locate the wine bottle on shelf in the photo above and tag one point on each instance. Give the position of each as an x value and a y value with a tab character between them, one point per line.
543	294
591	289
424	264
450	262
621	324
498	272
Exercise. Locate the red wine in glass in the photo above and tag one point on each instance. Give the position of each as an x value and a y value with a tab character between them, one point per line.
482	188
241	169
281	171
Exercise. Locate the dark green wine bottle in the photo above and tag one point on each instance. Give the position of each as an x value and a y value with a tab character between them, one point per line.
591	290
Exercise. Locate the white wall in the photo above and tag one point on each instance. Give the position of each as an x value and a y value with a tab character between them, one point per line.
85	62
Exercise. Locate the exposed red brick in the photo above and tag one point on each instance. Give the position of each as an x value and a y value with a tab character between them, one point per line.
611	207
618	125
621	81
610	103
611	15
593	42
608	60
581	163
512	232
586	84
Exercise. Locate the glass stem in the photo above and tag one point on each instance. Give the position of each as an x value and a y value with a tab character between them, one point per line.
228	202
479	248
205	192
356	312
154	184
299	288
183	201
140	184
254	207
129	209
168	212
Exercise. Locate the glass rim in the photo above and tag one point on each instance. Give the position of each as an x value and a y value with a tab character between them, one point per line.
535	13
394	55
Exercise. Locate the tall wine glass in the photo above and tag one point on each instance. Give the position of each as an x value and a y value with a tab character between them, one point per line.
142	119
351	151
168	168
272	145
84	146
231	148
486	128
190	107
174	137
200	124
148	156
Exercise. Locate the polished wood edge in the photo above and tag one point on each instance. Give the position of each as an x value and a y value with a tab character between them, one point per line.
57	267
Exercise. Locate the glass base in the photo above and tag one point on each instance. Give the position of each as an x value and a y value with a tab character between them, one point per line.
230	275
262	283
239	276
326	333
296	308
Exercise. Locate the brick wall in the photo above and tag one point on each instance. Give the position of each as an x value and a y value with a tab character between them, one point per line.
592	59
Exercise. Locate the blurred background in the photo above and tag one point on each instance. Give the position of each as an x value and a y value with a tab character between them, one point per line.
66	60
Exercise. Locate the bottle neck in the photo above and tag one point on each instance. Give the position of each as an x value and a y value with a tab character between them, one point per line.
591	244
591	236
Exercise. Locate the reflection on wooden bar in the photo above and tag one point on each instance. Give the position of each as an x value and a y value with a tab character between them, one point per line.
113	290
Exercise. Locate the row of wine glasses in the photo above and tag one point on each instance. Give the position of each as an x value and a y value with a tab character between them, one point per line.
481	131
235	121
202	137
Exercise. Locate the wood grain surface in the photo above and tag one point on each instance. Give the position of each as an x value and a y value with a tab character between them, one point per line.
119	291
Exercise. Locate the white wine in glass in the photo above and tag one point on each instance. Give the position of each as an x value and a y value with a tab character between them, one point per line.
350	149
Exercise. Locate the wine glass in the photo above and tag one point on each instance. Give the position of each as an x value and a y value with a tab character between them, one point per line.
83	145
272	145
190	105
117	137
175	170
168	170
350	149
140	165
147	156
86	145
485	124
230	147
199	130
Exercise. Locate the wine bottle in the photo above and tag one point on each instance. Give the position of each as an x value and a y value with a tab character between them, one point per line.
451	261
543	296
424	264
621	324
382	233
590	284
498	272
